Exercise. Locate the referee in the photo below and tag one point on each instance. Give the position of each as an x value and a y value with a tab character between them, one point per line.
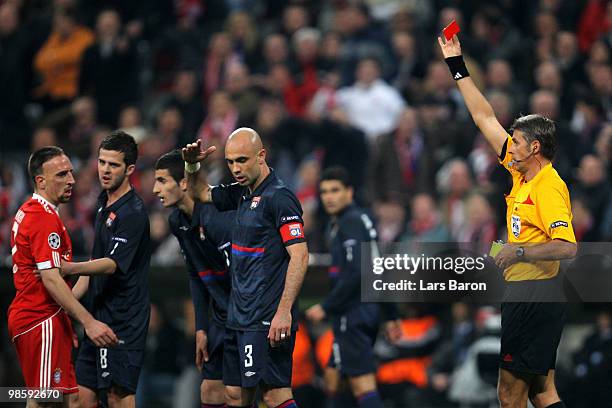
540	234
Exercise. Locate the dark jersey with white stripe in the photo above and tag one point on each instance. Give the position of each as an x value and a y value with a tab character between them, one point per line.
121	300
267	220
205	240
348	232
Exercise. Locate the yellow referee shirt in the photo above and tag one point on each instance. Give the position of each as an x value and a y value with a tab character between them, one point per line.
539	210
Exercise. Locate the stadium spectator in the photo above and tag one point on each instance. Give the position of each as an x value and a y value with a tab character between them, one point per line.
58	61
109	70
371	104
425	223
401	162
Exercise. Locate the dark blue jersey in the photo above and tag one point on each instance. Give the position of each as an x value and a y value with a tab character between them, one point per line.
121	300
266	221
351	228
205	239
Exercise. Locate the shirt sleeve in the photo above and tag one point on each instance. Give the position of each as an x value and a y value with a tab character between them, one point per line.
287	217
353	234
125	240
555	211
46	241
200	299
226	196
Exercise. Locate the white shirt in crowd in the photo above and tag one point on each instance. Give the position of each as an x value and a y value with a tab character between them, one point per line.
374	109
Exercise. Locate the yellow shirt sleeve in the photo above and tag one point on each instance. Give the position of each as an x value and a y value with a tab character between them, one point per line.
555	211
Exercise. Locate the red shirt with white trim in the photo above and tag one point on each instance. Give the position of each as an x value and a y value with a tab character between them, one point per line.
40	241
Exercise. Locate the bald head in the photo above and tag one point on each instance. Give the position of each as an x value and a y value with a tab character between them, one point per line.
244	139
246	157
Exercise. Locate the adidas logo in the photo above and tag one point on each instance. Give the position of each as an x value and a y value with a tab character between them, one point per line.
458	76
508	358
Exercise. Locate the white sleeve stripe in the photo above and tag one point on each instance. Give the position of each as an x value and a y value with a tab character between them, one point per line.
44	265
56	259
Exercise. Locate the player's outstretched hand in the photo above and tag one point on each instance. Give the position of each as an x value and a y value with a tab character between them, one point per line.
280	328
193	152
201	349
315	313
451	48
100	334
67	268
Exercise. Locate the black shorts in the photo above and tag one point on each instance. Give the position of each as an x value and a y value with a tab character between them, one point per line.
249	360
530	336
213	368
354	338
97	368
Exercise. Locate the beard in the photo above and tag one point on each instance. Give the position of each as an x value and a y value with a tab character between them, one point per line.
114	184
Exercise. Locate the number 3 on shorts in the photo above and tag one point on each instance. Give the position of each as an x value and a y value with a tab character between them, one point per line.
103	361
248	351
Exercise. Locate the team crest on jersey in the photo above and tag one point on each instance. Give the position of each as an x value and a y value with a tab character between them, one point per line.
255	202
295	230
516	225
57	375
110	219
54	240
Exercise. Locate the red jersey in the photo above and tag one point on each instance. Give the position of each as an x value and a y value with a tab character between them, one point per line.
39	240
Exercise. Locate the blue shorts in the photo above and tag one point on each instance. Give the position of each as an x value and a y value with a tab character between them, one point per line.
249	360
213	368
353	348
97	368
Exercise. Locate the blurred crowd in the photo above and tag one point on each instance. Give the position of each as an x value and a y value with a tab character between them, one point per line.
360	84
354	83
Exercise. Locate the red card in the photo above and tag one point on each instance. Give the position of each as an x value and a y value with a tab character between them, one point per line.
450	30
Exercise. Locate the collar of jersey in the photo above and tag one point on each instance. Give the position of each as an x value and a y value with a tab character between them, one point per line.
114	206
271	177
540	174
38	197
346	209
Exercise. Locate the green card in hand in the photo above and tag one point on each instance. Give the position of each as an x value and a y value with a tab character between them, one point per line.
496	246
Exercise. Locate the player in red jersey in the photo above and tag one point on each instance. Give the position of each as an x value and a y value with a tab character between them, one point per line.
37	320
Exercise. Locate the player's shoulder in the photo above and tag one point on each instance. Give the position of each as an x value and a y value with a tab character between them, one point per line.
34	205
174	218
133	208
278	190
37	212
355	217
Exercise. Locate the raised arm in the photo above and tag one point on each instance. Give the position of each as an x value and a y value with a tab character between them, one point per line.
479	107
197	183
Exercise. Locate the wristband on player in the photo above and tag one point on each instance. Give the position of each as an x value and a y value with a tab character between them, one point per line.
457	67
192	167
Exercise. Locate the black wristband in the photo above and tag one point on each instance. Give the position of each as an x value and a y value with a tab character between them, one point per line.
457	67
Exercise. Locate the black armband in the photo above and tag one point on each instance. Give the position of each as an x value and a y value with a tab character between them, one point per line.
457	67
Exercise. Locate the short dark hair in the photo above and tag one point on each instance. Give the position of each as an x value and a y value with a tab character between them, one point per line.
338	173
119	141
173	162
540	128
40	157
